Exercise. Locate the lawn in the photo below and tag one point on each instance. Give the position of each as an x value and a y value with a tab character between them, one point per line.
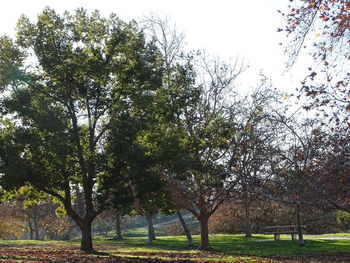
225	248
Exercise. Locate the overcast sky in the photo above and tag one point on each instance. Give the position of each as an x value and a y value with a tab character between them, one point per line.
223	27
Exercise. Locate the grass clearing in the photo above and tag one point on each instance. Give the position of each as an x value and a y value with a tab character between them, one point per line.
225	248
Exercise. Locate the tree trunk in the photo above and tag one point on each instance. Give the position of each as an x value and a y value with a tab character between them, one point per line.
186	230
79	206
84	223
31	230
118	228
300	233
248	223
85	229
151	233
35	222
203	221
86	238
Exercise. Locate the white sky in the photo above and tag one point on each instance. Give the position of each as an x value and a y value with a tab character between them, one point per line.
222	27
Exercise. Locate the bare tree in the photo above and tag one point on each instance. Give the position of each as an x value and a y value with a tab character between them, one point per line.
201	129
251	144
207	183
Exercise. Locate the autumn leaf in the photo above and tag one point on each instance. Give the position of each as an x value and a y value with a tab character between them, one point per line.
250	127
342	180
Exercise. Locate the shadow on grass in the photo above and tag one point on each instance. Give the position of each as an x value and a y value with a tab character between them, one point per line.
234	245
265	247
260	249
224	247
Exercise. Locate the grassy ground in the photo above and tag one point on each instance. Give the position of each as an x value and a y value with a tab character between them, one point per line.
236	244
161	230
225	248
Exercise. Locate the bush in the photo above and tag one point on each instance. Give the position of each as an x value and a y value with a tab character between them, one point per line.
230	218
176	229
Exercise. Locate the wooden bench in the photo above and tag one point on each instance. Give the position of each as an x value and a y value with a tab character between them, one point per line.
277	231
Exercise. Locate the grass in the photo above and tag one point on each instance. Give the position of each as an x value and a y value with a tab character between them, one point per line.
141	231
137	232
224	247
337	234
259	245
265	245
228	244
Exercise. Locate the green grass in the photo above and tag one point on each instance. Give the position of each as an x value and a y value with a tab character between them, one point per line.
265	245
139	231
337	234
234	244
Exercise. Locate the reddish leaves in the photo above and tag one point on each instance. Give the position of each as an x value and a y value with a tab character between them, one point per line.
336	12
34	253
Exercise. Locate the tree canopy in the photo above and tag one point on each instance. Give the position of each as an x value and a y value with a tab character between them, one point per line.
64	76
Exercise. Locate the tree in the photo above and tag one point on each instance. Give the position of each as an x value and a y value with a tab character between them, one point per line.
177	95
203	182
326	22
38	215
343	218
185	228
12	220
66	74
140	149
118	222
115	187
251	144
330	175
322	27
133	180
295	161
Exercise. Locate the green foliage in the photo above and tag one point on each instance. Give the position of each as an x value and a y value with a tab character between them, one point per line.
70	77
343	217
60	212
142	143
11	59
80	65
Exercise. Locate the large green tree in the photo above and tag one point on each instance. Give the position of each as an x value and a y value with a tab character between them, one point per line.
63	75
145	140
132	180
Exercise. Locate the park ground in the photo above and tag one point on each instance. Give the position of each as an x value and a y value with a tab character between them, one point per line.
225	248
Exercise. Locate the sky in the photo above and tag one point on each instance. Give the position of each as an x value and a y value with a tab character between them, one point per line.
225	28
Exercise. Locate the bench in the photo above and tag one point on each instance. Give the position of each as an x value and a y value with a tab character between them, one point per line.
277	231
